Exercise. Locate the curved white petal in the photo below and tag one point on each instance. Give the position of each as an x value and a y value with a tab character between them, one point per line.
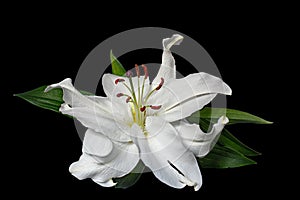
196	140
119	110
162	151
95	164
167	69
182	97
94	112
96	144
109	183
74	98
176	39
86	167
96	120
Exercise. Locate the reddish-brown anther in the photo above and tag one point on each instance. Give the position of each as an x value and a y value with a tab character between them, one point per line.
120	94
137	69
155	107
119	80
142	109
145	71
128	99
162	80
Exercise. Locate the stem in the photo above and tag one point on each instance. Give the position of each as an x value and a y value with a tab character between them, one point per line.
143	88
134	98
139	98
149	95
133	93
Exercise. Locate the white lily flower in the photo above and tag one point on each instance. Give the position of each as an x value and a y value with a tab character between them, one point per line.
142	121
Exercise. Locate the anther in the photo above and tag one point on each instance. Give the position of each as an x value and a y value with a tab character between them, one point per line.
137	69
155	107
129	73
119	80
160	84
120	94
145	71
128	99
142	109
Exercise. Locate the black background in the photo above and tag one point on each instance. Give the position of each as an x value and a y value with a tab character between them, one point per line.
46	47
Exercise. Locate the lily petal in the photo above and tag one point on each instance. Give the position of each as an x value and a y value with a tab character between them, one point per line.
94	119
178	103
196	140
167	69
93	112
162	151
87	167
74	98
102	168
119	111
96	144
109	183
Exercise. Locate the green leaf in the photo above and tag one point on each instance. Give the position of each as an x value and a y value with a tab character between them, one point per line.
48	100
228	140
229	152
117	67
223	157
131	178
234	116
86	93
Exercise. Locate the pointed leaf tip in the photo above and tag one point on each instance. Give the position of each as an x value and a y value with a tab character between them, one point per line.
224	157
117	67
50	100
235	116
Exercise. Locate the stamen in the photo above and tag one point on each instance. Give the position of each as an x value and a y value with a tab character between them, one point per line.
138	103
129	73
128	99
119	80
137	69
155	107
160	84
142	109
162	80
145	77
145	71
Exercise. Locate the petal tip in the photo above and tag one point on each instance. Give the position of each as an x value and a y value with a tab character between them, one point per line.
66	81
73	169
61	84
63	107
197	187
109	183
227	89
48	88
176	39
224	120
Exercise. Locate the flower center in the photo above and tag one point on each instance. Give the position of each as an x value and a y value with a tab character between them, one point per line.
138	100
